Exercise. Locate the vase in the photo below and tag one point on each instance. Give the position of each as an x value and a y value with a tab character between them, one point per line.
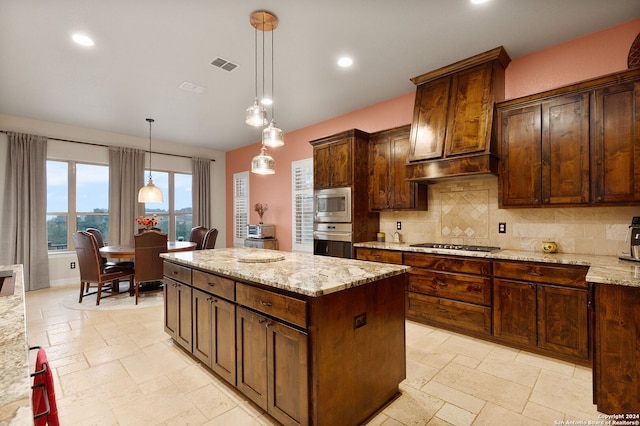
549	247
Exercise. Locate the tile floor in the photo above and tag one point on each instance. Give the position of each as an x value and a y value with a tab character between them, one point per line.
120	368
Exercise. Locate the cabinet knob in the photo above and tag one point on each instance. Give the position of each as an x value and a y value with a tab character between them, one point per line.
546	200
210	284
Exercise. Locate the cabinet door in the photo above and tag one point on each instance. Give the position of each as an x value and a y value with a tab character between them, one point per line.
184	325
321	167
565	150
170	307
223	338
469	115
340	163
562	320
252	356
380	163
616	144
521	156
514	311
403	193
429	123
202	323
288	395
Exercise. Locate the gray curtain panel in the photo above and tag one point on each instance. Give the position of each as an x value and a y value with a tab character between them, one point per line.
126	177
24	209
201	191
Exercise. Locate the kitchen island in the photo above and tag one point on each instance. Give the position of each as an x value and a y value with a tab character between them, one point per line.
310	339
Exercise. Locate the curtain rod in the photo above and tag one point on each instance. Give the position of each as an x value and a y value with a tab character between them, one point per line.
109	146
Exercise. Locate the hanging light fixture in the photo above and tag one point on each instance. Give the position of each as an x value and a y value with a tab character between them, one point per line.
256	114
150	193
272	136
263	164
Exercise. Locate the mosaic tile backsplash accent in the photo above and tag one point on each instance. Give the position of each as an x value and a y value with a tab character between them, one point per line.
466	212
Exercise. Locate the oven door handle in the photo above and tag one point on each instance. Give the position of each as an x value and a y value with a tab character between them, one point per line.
332	236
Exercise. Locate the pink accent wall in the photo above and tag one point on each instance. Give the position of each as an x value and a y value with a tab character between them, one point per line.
596	54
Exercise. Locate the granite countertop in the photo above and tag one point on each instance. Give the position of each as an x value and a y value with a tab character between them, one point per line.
602	269
15	382
297	272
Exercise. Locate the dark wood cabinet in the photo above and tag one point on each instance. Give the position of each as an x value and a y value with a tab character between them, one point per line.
573	146
272	366
616	143
542	307
177	302
453	116
616	370
544	150
388	187
337	160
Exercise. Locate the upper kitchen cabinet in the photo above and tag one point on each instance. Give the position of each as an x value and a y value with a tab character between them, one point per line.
337	159
545	152
388	187
572	146
453	116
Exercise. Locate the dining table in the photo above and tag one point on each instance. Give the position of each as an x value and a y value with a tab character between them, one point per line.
129	252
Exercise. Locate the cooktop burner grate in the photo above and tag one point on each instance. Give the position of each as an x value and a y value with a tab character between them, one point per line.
487	249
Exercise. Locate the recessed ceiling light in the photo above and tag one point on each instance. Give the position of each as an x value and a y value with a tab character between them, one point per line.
82	39
479	1
345	62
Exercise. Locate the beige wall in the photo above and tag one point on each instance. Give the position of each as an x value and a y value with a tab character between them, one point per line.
466	212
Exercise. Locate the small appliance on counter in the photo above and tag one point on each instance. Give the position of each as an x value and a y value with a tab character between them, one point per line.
634	241
261	231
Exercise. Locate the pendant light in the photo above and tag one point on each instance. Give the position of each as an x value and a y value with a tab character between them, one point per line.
256	114
263	164
272	136
150	193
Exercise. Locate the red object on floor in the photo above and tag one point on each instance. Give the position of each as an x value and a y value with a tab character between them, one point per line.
43	394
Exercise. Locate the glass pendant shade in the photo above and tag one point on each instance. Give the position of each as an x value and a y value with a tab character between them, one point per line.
256	115
263	164
272	136
150	193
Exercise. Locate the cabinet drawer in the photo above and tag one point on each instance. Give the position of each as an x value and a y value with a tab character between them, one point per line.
573	276
214	284
465	288
458	315
376	255
448	263
177	272
277	305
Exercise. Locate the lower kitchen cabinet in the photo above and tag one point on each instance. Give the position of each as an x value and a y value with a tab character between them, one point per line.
177	303
272	366
543	308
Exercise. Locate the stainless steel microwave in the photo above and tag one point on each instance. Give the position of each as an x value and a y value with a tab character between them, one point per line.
332	205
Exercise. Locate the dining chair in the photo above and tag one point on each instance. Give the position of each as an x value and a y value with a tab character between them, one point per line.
97	234
149	264
93	270
210	237
197	236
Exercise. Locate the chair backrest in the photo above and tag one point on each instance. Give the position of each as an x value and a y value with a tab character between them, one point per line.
97	235
197	236
148	246
89	259
210	239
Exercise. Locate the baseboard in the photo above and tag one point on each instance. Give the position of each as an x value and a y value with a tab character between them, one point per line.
63	282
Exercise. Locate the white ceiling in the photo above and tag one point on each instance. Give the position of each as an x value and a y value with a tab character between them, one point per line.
146	48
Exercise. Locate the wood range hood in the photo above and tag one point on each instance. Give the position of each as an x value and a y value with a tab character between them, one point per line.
453	119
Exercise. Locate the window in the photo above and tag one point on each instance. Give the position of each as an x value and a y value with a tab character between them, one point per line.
175	212
240	207
302	212
77	198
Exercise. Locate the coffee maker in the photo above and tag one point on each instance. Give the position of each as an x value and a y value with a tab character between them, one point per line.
634	240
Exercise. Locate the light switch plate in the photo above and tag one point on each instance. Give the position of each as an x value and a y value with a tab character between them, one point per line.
398	225
502	228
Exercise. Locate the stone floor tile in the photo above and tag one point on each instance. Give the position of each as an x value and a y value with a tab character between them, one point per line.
493	415
454	396
455	415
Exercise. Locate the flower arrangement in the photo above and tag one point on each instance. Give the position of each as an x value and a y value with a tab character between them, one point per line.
261	208
148	222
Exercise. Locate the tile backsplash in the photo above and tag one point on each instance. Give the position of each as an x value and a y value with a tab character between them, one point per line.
466	212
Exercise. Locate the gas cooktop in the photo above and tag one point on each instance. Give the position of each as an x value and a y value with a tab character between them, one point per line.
487	249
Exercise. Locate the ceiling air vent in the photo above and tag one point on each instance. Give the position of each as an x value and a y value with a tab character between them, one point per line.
224	64
192	87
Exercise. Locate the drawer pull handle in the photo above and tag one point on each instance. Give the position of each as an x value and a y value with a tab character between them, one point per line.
442	311
210	284
212	300
536	274
174	272
263	303
262	321
376	256
442	283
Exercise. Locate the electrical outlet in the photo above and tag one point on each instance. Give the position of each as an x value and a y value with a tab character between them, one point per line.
72	265
360	321
502	228
398	225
